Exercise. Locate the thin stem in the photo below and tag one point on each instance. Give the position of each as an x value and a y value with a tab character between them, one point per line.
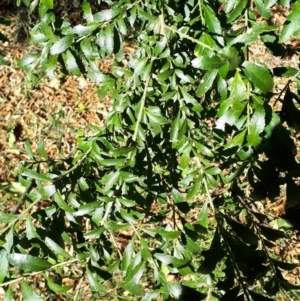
76	165
115	243
23	198
183	35
201	13
141	111
19	216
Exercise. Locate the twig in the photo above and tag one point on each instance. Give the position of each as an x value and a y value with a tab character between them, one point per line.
189	38
141	111
22	199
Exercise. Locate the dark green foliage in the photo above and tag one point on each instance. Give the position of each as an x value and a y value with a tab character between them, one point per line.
191	114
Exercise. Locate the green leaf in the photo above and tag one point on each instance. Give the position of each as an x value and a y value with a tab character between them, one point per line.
237	89
87	208
127	216
292	26
106	14
30	228
86	48
110	180
122	151
232	56
195	188
50	66
242	231
162	76
95	282
193	246
251	35
28	149
6	218
9	295
56	249
168	259
62	45
206	39
212	170
271	234
127	256
262	9
9	238
232	114
28	62
177	196
71	63
61	203
82	30
259	75
3	265
237	140
289	71
146	72
184	78
281	223
127	203
47	191
59	289
28	293
150	296
132	280
87	12
208	63
95	233
28	263
155	117
48	3
203	216
31	174
212	22
110	162
206	82
48	33
237	12
122	26
41	149
109	39
185	158
169	235
257	125
202	149
175	128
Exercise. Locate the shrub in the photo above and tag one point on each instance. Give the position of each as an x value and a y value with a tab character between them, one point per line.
167	190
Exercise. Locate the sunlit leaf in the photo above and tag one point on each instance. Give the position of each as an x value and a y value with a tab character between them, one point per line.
28	263
259	75
3	265
28	294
